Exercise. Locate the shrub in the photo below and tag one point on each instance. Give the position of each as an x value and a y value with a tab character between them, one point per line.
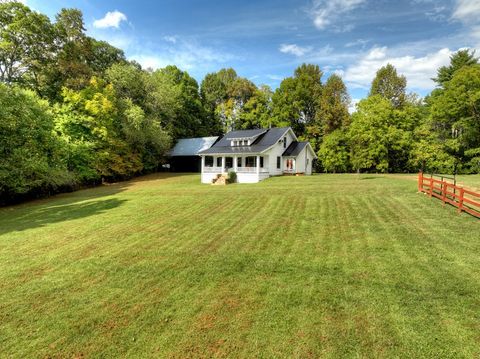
232	177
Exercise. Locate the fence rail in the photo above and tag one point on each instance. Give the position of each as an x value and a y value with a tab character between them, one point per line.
464	199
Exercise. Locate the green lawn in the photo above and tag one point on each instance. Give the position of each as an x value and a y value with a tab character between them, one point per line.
321	266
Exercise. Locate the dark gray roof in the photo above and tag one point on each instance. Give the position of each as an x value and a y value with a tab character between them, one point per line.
245	133
192	146
294	149
264	141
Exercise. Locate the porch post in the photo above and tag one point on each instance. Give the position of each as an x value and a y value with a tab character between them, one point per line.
223	163
235	163
203	163
258	165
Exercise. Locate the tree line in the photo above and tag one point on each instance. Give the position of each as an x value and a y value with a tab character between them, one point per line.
75	112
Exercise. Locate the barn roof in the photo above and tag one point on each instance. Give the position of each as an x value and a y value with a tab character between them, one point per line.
192	146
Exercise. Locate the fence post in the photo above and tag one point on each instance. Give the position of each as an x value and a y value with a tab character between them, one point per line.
444	191
431	187
420	181
460	199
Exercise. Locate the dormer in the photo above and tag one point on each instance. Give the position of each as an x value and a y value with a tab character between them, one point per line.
244	138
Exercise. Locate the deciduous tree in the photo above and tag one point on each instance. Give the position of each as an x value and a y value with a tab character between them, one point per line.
388	84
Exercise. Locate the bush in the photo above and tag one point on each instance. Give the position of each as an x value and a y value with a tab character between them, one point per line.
232	177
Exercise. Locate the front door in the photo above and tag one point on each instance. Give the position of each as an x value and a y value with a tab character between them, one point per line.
290	165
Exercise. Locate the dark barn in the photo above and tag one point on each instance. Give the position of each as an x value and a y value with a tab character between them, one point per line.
184	156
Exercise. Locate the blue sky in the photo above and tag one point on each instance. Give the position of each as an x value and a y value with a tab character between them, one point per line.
265	40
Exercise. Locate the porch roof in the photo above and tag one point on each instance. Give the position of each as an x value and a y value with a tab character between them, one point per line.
294	149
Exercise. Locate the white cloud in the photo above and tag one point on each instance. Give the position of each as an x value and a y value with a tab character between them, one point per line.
418	70
359	42
327	12
169	38
352	107
437	13
294	49
111	19
151	61
467	10
275	77
476	32
186	54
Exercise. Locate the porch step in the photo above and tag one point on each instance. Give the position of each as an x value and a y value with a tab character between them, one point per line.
293	174
220	180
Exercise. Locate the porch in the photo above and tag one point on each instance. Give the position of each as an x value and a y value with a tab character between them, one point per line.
249	169
290	166
238	164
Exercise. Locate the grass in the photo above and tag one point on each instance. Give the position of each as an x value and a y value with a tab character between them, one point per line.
321	266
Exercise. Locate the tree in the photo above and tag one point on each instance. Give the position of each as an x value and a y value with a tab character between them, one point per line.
130	81
26	44
89	119
428	153
333	108
175	99
455	114
31	161
377	139
71	68
458	60
389	85
297	99
257	111
333	153
224	95
103	56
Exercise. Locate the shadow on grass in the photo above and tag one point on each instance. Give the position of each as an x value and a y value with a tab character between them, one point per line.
59	208
70	206
369	178
45	215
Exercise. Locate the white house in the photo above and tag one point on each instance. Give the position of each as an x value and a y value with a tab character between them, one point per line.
257	154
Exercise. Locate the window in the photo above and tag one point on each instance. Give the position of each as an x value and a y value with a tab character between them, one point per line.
245	142
250	161
208	161
239	161
261	161
285	142
228	162
279	162
219	161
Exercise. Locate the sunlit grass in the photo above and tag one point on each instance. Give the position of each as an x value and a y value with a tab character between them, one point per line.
320	266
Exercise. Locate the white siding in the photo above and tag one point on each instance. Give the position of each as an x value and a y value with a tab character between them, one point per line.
241	177
310	161
300	161
208	177
277	151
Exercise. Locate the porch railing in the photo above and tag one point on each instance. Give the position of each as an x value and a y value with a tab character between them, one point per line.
239	170
251	169
213	169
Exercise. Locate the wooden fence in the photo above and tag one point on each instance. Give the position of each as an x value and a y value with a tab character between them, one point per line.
464	199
